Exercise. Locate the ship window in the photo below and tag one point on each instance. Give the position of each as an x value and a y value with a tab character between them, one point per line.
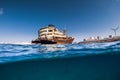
49	33
43	31
42	34
50	30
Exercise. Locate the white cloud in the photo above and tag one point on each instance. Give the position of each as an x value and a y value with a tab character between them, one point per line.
1	11
116	0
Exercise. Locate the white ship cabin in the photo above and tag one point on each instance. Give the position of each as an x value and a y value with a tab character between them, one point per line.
49	32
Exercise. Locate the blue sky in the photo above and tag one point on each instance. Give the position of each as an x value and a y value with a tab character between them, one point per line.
21	19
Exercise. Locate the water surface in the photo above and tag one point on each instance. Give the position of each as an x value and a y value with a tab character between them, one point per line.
99	61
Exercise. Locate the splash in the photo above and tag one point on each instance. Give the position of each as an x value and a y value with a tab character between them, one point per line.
52	48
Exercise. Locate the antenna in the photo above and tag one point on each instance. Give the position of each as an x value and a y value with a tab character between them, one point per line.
115	30
64	30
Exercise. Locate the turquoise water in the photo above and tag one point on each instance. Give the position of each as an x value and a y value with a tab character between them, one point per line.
60	62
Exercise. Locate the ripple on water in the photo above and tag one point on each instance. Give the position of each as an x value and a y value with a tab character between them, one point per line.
14	52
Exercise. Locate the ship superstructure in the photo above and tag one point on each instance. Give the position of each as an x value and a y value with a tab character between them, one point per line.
51	35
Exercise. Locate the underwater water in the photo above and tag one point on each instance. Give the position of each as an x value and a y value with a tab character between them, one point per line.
100	61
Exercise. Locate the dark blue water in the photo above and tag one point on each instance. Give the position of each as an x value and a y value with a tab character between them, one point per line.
99	61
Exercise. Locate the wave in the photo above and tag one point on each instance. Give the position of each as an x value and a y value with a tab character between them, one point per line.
14	52
52	48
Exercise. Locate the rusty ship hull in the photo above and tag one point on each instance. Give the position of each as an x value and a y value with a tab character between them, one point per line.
68	40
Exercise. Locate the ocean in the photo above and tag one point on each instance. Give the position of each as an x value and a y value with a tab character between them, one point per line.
98	61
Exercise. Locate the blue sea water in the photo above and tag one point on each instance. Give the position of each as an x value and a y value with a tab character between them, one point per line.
98	61
17	52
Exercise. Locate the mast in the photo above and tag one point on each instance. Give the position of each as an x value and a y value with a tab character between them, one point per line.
64	30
